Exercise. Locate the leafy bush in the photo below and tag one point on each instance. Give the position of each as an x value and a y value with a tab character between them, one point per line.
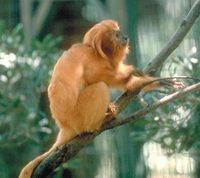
24	76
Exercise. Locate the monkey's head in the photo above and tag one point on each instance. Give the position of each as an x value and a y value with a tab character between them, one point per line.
107	40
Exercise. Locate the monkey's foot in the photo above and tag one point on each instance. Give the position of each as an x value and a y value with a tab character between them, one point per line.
111	113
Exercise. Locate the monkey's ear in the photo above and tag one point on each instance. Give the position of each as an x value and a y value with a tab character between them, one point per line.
97	45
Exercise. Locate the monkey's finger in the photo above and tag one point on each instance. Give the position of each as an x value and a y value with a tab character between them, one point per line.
167	82
178	85
172	83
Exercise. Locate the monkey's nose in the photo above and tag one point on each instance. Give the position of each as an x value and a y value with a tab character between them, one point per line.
125	37
125	40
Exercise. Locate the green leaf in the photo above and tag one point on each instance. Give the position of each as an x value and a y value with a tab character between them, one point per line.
17	30
48	38
36	44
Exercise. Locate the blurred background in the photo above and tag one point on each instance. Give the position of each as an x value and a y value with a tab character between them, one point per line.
34	33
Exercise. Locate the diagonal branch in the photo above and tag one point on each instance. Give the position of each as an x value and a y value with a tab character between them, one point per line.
171	45
69	150
175	40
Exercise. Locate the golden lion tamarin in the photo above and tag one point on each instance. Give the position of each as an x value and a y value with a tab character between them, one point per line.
78	92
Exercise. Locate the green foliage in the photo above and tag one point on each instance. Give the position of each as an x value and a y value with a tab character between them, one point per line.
24	76
175	126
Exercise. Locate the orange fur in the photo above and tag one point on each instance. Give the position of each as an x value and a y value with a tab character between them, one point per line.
78	92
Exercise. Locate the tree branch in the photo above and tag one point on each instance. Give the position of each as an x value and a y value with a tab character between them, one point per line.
175	40
171	45
69	150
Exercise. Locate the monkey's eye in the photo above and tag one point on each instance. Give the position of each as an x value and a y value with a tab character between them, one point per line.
118	33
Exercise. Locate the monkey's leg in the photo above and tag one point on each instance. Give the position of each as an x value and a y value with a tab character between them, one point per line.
91	107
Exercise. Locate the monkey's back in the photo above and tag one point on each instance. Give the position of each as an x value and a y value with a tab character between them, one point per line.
67	81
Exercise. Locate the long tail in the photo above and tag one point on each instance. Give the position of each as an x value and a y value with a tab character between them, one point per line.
64	136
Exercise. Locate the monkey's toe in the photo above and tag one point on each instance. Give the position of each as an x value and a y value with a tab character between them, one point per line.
111	112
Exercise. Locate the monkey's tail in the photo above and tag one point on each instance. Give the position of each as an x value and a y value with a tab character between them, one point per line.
64	136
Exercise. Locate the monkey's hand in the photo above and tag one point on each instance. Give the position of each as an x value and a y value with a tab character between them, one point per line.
172	83
111	113
160	82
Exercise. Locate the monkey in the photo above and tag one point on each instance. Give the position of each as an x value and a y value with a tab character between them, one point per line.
79	89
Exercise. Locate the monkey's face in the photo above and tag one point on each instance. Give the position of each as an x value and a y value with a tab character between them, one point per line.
107	39
123	39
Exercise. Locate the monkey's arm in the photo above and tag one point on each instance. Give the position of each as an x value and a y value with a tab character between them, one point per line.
130	78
